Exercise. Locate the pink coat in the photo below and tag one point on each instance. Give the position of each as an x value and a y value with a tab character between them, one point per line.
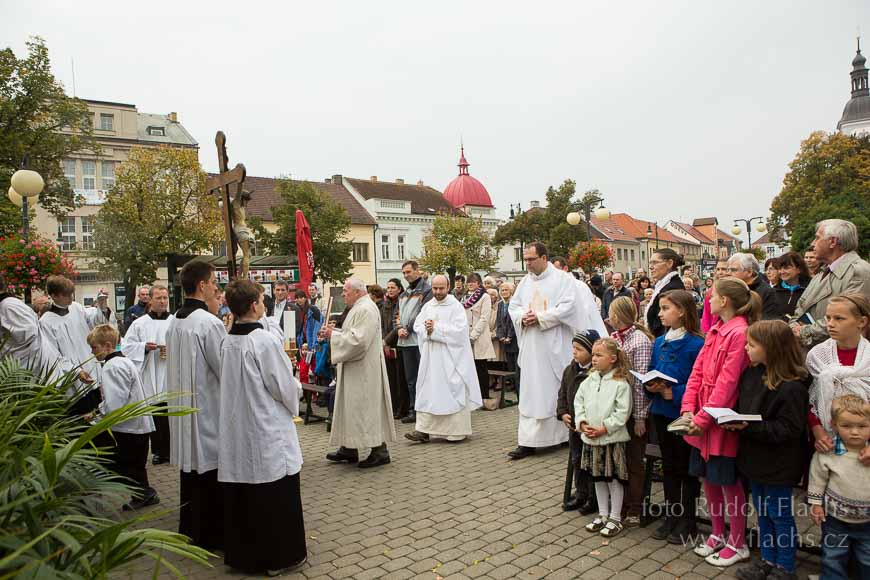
713	383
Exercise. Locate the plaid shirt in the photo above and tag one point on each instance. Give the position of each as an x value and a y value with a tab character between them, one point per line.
639	349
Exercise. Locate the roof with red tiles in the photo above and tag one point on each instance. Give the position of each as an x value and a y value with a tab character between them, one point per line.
638	229
695	233
612	230
264	196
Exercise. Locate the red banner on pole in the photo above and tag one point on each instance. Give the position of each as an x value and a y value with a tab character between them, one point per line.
304	251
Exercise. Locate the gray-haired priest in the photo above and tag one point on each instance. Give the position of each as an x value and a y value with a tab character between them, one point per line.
363	416
447	388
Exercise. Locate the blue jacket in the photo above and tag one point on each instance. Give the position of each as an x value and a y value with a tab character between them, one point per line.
674	358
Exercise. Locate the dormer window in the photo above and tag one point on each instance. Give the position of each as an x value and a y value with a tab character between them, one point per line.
157	131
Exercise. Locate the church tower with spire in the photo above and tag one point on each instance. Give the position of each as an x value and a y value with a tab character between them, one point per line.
856	114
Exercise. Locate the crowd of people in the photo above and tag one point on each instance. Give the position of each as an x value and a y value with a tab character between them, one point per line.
605	367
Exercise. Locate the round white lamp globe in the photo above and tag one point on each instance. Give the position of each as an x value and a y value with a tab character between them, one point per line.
573	218
27	182
602	213
16	199
736	230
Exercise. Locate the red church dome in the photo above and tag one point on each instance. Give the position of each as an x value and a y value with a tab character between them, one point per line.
466	190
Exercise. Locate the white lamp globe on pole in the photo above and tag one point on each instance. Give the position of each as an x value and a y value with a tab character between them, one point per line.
27	182
573	218
15	198
602	213
736	230
762	227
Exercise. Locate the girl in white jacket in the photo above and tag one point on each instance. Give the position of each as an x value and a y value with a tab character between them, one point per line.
602	407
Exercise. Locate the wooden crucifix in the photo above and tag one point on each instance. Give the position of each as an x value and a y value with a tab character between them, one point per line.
222	182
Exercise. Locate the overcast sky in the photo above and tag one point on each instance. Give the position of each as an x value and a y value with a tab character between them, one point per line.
672	109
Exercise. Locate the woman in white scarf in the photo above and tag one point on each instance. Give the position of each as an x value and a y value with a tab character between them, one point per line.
848	323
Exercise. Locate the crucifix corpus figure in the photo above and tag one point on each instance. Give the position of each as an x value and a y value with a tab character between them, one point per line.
241	231
221	182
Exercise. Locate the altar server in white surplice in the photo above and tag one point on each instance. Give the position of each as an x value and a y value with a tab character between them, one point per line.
259	457
21	336
145	345
65	324
545	309
193	344
447	388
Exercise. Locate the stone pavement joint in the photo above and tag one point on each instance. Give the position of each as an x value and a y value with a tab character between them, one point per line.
452	511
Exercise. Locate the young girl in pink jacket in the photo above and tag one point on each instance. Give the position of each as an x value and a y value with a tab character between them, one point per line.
713	383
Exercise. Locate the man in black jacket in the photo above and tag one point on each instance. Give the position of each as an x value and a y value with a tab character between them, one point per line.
745	267
617	288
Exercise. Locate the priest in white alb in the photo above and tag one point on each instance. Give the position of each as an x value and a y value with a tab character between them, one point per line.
447	387
145	345
546	309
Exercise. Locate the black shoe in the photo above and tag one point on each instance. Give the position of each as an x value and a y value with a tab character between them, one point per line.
150	498
397	416
683	531
379	456
572	504
288	569
159	459
521	452
758	570
417	436
343	454
590	506
409	418
663	531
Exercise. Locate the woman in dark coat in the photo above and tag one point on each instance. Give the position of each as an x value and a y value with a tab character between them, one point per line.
664	266
794	276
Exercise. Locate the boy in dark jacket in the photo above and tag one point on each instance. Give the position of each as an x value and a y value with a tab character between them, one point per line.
575	373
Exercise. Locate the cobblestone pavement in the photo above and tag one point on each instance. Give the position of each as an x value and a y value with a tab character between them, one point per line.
445	510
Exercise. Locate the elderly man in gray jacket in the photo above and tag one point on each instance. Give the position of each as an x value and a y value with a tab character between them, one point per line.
844	272
418	292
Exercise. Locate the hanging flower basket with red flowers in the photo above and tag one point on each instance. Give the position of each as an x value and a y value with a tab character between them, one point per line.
591	256
27	263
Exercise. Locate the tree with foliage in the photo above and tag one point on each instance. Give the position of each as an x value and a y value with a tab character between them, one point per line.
759	254
591	256
157	207
829	178
457	243
40	122
61	502
547	224
330	229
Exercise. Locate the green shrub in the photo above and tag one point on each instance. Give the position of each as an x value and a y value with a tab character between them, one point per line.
58	498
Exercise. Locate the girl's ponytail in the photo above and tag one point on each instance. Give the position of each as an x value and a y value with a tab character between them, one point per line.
752	309
745	302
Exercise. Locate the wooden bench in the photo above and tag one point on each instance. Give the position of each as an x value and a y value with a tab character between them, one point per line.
307	390
501	378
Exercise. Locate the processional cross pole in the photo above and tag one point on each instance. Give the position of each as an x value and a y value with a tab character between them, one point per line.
221	183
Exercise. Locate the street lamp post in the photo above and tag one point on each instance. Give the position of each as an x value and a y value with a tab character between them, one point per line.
748	223
649	234
588	201
24	185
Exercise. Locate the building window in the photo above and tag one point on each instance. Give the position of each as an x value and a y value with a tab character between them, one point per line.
69	171
518	254
87	233
385	247
66	234
400	247
632	255
89	174
771	251
360	252
157	131
107	122
108	174
619	253
642	256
